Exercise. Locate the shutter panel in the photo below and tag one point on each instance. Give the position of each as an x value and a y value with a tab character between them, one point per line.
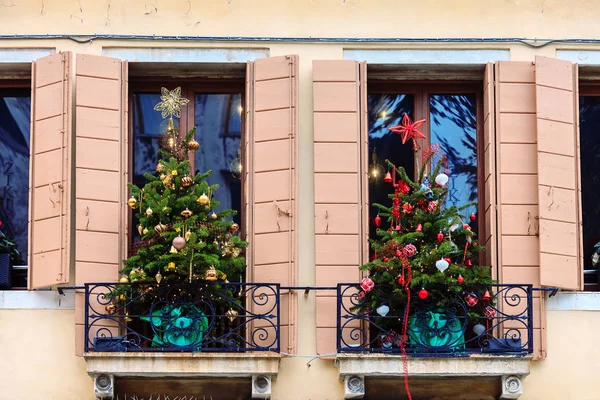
271	181
50	170
516	185
101	175
489	155
558	179
340	146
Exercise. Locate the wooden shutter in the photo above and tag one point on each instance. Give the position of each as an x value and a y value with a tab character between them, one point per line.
517	195
558	180
340	145
50	171
271	181
100	174
489	155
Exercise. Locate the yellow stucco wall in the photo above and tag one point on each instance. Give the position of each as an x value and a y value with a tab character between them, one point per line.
36	346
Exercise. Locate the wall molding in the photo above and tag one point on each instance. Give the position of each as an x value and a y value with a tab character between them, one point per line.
23	55
36	300
421	56
186	54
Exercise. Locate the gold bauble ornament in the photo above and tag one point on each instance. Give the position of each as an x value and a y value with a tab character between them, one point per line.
187	213
213	215
167	181
186	181
162	177
203	199
122	297
132	202
148	211
173	250
159	168
193	145
171	266
234	228
231	314
160	228
124	279
158	277
145	231
187	235
211	274
110	308
140	229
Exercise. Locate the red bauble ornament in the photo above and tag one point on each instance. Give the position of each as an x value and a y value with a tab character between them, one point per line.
466	226
473	217
471	300
440	237
460	279
423	294
419	228
385	259
486	296
398	253
377	220
388	178
401	280
448	260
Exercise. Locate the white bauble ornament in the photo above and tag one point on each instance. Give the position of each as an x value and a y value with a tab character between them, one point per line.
383	310
442	265
148	211
479	329
595	258
441	179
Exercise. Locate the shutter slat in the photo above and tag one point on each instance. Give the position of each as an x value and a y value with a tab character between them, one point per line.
558	180
50	169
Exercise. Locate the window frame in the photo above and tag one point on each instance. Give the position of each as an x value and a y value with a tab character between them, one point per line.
421	90
19	84
189	88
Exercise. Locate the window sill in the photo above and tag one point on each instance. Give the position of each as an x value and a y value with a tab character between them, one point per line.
574	301
462	373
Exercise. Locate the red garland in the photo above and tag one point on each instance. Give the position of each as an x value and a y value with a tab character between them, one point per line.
406	267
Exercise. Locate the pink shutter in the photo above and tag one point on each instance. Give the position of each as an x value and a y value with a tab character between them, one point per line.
489	155
271	180
50	170
517	195
100	173
558	178
340	145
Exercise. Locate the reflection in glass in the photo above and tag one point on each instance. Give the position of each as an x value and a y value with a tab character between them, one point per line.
385	111
15	109
454	126
589	131
218	130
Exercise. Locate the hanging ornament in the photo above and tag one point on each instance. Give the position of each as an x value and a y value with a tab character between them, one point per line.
186	213
473	217
471	300
187	235
479	329
160	228
173	250
407	208
410	250
385	259
382	310
213	215
425	188
367	284
448	259
398	227
469	263
403	187
432	206
234	228
124	279
167	181
145	231
460	279
174	172
203	199
453	227
140	229
489	311
401	280
211	274
171	266
419	228
466	226
377	220
441	179
442	265
409	130
162	177
159	167
440	237
158	277
110	308
423	294
486	296
193	145
388	177
398	253
186	181
178	243
132	202
231	314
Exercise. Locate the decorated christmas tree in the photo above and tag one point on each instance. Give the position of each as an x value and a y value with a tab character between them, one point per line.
184	235
425	248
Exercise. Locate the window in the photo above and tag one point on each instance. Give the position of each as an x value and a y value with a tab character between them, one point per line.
215	110
589	143
15	115
452	113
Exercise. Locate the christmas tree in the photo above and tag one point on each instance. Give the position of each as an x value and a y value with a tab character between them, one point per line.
184	237
423	247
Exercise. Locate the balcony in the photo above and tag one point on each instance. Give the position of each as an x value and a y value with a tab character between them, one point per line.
182	331
441	342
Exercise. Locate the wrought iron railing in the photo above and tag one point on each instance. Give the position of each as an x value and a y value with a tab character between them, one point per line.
505	325
213	317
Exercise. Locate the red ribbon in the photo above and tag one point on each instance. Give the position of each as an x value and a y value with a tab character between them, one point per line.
406	267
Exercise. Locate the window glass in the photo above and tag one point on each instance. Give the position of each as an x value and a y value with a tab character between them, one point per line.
218	130
589	130
15	110
385	111
453	126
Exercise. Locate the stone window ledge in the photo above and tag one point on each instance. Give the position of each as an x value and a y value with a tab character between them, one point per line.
365	372
182	365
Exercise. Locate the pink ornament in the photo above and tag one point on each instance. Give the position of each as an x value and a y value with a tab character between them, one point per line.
419	228
489	311
432	206
410	250
367	284
178	243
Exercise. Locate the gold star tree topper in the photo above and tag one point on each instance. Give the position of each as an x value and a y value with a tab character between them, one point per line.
171	103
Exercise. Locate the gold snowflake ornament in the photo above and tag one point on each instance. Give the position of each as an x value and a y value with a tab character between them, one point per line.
171	103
